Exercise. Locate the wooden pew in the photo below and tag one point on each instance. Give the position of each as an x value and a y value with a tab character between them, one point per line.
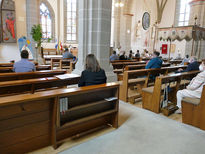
193	111
120	61
47	51
66	64
32	85
151	96
121	65
11	64
136	67
43	67
32	121
47	58
175	62
168	69
38	68
30	75
133	67
140	78
6	69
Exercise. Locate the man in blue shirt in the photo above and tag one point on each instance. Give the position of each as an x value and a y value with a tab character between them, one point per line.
193	66
114	56
67	54
155	62
24	65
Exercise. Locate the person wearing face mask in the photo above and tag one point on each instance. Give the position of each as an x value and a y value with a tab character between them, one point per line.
193	90
202	66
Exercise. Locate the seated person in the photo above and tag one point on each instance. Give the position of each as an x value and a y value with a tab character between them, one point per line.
185	60
114	56
123	56
155	62
194	89
202	66
146	54
193	66
24	65
178	57
137	55
67	54
93	74
130	55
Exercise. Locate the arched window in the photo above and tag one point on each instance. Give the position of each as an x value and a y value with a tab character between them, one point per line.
71	20
184	12
46	21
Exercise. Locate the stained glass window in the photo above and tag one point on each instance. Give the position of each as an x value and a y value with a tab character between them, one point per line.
71	26
46	21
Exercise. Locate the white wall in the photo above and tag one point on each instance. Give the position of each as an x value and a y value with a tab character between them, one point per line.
168	19
9	52
137	8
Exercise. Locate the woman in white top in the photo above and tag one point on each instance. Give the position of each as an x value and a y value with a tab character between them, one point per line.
194	89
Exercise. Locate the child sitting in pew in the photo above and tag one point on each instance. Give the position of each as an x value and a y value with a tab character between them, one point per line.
194	89
93	74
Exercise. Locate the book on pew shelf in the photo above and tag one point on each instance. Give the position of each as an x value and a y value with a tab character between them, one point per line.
67	76
111	99
63	102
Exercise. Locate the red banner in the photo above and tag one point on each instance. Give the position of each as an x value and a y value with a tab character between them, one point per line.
164	48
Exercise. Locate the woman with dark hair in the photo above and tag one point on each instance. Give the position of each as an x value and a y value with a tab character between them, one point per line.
92	74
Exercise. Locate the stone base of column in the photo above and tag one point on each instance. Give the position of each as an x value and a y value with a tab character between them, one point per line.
111	76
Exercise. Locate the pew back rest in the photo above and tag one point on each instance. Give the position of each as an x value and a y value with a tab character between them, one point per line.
33	85
121	65
29	75
134	67
38	68
168	79
143	73
141	66
174	68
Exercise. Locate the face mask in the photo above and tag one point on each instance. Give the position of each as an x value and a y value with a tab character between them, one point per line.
201	68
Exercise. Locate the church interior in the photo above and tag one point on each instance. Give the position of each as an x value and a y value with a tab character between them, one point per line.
102	76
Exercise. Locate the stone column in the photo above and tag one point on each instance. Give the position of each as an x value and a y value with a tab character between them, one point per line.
197	9
117	26
94	24
32	17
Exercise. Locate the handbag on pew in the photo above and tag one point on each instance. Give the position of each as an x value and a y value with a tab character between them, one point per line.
164	102
166	106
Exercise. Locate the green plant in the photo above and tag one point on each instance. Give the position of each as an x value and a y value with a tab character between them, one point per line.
36	33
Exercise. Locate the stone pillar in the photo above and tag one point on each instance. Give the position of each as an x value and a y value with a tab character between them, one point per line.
94	34
197	9
117	25
32	17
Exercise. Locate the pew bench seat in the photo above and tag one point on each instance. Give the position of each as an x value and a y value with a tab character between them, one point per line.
194	101
193	111
136	81
118	71
151	89
152	96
